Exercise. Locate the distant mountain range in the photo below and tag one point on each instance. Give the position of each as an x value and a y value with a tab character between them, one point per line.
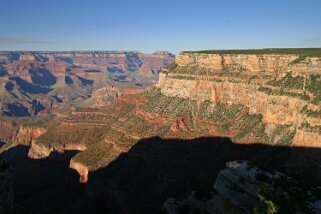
38	83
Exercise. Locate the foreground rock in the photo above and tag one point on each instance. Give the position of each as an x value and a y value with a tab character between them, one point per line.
244	188
251	188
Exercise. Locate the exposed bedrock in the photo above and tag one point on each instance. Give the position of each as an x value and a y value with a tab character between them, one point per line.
81	169
283	88
245	188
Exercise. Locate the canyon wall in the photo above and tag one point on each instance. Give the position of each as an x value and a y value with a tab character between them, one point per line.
26	135
19	134
284	89
270	64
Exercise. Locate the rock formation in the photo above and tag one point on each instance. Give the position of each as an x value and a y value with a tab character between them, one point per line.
244	188
37	151
26	135
17	134
81	169
283	88
251	188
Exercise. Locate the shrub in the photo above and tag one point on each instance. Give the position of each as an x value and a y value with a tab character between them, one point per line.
312	52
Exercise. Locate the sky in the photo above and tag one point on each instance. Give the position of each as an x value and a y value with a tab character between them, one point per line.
153	25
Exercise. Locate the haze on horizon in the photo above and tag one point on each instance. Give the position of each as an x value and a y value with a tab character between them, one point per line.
147	26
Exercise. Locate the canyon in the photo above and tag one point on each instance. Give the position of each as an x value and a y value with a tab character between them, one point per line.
40	83
206	109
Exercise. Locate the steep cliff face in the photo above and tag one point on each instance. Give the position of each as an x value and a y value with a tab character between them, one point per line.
253	64
37	151
26	135
81	169
13	134
8	132
284	89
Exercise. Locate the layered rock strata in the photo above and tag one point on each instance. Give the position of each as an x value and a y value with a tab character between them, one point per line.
283	88
40	83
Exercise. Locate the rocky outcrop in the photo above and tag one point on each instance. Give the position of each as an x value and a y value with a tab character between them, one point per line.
282	88
307	139
26	135
38	151
103	96
28	57
13	134
6	191
239	184
251	188
8	132
245	188
81	169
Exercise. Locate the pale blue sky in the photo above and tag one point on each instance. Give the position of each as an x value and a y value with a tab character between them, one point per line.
150	25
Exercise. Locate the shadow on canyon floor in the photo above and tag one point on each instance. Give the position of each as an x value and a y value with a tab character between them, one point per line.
140	180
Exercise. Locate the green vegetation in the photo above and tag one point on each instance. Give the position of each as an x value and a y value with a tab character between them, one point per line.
314	129
286	195
310	84
161	104
63	135
219	111
178	107
281	92
312	52
181	77
191	69
96	156
250	125
282	135
313	85
298	60
171	66
231	117
267	206
289	82
311	113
